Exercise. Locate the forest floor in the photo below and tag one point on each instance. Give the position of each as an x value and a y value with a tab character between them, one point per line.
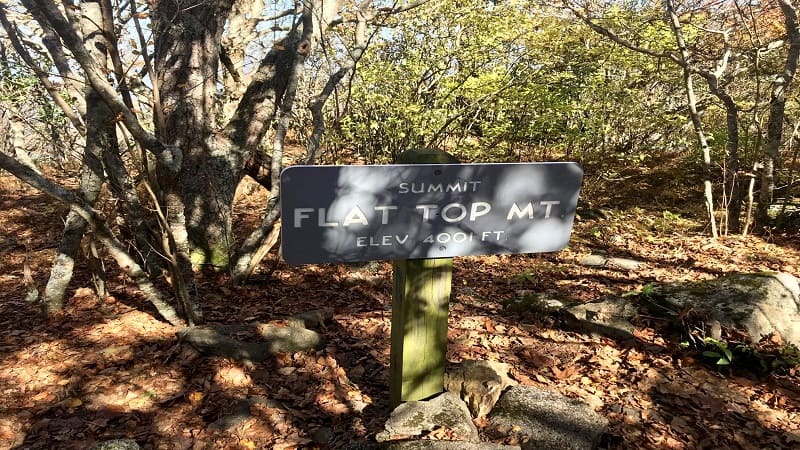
107	368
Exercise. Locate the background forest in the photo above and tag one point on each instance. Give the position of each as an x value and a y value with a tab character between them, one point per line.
141	145
173	104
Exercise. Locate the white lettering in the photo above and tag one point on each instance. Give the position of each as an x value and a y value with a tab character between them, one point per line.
355	216
462	212
300	214
488	234
422	187
516	211
384	210
444	238
460	237
380	241
549	204
455	187
426	211
478	209
322	219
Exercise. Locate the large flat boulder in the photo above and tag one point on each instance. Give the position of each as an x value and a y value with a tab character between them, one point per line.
758	303
549	420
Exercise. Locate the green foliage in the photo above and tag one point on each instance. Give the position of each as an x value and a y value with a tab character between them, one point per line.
646	292
788	356
771	359
761	357
22	95
718	350
525	277
506	81
669	222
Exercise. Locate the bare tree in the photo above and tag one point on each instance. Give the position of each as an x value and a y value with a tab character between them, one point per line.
718	73
194	104
777	107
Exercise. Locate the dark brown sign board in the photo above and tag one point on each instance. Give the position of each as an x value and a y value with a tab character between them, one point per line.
337	214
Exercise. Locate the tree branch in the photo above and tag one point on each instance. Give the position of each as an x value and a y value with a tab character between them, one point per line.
55	50
617	39
55	94
74	43
101	230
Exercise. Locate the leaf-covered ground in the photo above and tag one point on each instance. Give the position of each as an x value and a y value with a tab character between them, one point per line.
107	369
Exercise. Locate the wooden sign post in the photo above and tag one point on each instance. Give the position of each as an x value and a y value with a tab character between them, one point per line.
420	307
420	213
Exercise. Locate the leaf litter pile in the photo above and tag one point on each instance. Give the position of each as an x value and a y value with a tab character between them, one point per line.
107	369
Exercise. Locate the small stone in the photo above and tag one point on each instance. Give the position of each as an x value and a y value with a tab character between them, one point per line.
609	317
596	260
549	419
623	263
311	319
446	410
116	444
447	445
240	415
322	435
593	261
479	384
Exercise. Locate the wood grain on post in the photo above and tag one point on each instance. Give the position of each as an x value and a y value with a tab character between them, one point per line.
420	306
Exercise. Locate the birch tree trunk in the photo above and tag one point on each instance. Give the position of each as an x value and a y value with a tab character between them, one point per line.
777	107
708	193
100	137
683	60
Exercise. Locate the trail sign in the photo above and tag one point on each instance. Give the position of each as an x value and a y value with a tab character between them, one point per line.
411	211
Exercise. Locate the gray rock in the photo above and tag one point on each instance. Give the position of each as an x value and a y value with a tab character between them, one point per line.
549	419
790	282
759	303
623	263
609	317
311	319
116	444
596	260
445	410
429	445
241	413
533	302
479	384
272	339
593	260
365	273
447	445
